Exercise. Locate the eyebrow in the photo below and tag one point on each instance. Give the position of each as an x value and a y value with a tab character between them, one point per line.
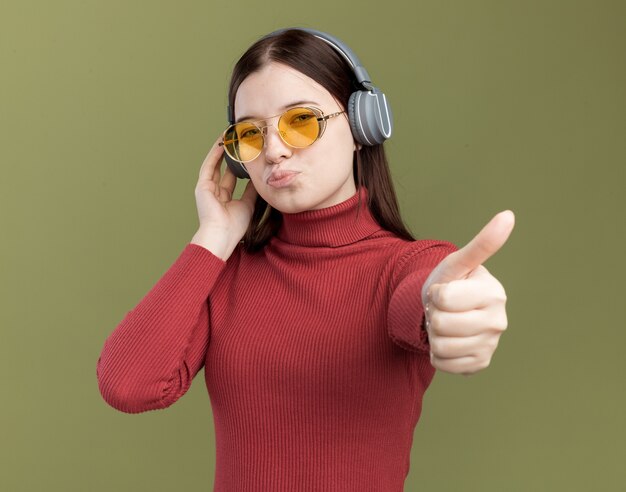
284	108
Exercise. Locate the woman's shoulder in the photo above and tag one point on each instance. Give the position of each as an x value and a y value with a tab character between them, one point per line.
406	248
419	246
411	255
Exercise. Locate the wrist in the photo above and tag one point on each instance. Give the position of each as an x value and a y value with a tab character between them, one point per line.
215	243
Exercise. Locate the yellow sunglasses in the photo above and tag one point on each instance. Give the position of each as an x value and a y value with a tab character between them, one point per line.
298	127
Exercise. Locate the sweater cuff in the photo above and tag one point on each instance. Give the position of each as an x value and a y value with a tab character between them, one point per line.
405	319
202	264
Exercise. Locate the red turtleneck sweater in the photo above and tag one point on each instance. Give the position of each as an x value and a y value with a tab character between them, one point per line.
314	352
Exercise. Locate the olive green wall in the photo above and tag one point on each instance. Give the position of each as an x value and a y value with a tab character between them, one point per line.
107	110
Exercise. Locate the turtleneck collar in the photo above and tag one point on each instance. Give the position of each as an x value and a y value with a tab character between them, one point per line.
333	226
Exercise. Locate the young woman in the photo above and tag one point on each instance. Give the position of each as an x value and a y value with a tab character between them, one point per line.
318	318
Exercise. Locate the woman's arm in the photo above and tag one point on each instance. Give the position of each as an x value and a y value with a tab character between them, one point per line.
149	361
405	315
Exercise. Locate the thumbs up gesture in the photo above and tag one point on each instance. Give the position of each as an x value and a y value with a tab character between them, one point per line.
464	305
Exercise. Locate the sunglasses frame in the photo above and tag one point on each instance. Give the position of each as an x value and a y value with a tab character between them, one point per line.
321	118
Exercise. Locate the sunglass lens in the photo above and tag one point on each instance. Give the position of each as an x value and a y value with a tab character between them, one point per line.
299	127
243	141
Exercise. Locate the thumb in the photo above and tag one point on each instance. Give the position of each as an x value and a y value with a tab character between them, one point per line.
485	244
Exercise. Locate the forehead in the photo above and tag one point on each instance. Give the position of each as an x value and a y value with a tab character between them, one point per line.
274	86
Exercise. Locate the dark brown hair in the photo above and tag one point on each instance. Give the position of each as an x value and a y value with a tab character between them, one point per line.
316	59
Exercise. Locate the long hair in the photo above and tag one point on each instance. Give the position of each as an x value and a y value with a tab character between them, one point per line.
316	59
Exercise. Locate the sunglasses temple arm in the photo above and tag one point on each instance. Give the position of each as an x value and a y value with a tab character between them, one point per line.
328	116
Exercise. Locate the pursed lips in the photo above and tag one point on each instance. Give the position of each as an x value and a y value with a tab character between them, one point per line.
280	174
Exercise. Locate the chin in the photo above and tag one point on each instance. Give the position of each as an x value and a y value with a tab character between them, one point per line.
288	207
288	203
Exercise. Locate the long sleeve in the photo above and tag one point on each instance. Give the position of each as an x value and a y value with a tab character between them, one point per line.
405	316
149	361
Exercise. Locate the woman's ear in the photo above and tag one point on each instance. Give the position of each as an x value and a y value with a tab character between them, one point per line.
357	146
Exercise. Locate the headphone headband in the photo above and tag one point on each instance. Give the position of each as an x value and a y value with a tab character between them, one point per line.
359	70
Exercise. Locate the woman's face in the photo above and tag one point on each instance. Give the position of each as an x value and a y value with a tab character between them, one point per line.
323	171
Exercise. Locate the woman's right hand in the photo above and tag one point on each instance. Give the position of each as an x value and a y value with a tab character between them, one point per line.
223	221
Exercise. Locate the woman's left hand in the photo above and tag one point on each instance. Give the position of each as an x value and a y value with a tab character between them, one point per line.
465	305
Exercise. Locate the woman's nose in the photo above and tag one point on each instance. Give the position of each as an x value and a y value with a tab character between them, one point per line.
275	147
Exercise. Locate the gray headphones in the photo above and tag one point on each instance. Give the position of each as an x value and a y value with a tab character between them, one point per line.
368	110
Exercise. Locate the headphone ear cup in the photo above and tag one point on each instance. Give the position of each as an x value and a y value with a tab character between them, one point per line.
357	130
370	116
237	168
